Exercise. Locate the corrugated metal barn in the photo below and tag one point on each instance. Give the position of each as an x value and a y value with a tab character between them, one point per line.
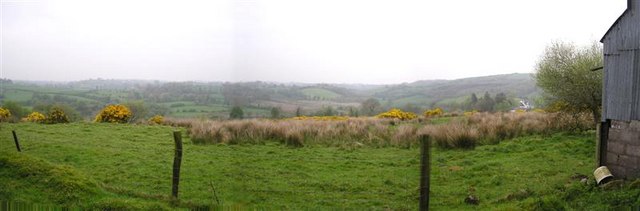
620	131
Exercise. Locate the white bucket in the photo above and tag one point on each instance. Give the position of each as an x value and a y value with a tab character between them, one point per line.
602	173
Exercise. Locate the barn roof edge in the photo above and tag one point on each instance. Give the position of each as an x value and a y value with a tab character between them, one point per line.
613	25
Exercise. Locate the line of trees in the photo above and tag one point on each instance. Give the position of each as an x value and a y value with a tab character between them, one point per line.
486	103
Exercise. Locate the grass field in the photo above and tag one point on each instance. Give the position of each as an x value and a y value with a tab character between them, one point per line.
19	95
321	93
416	100
187	109
129	167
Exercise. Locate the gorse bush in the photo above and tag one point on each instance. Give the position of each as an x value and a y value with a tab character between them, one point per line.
16	110
397	114
35	117
5	114
114	114
433	112
157	119
56	115
470	113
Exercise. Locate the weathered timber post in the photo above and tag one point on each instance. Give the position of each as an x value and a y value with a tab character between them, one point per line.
177	159
425	171
15	139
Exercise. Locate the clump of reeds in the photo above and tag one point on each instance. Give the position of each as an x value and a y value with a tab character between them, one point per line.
367	131
488	128
452	135
177	122
460	132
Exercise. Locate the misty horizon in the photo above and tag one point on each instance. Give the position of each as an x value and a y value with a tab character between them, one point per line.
253	81
284	41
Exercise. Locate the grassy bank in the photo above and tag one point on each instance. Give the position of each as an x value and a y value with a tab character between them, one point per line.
129	166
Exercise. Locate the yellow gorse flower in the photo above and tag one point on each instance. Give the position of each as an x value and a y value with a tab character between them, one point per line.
433	112
395	113
157	119
114	114
470	113
5	114
35	117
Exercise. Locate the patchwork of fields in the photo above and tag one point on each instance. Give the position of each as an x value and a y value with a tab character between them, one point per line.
214	100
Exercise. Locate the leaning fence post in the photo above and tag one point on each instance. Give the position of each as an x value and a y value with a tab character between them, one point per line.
425	171
15	139
177	159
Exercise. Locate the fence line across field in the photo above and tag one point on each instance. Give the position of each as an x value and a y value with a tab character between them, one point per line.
423	188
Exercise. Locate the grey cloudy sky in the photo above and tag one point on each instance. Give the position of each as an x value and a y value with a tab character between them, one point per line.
337	41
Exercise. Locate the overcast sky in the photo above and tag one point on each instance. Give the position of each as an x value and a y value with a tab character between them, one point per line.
331	41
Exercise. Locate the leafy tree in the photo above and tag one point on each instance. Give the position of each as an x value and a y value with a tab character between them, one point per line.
236	113
500	98
353	111
370	106
472	104
328	111
275	112
486	103
298	111
563	73
502	102
474	99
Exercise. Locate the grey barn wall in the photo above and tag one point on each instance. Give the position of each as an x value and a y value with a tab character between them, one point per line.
621	95
621	99
623	149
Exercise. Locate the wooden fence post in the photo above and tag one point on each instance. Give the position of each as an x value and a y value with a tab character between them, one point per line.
15	139
425	171
177	159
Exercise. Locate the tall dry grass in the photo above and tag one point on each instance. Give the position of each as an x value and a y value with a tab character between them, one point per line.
487	128
359	131
461	132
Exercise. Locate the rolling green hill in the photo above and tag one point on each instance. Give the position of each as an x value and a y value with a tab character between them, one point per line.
214	99
439	92
319	93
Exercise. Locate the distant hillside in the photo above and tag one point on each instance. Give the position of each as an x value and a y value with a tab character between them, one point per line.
214	99
433	92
